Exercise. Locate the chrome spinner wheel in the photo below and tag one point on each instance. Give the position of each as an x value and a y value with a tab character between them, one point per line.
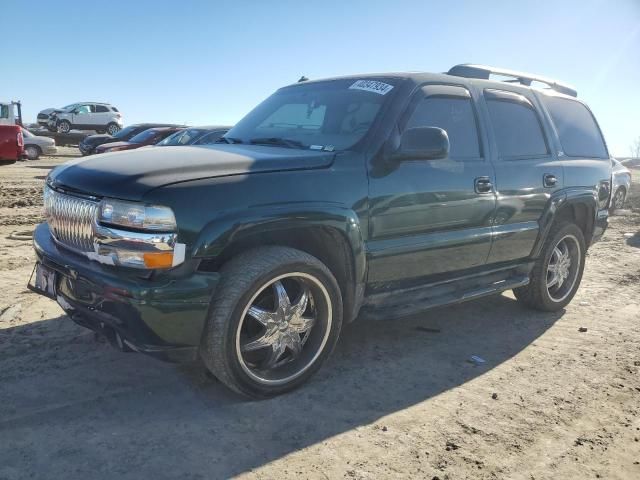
284	328
563	268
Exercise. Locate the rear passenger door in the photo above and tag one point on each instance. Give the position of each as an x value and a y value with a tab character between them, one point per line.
433	217
527	171
102	115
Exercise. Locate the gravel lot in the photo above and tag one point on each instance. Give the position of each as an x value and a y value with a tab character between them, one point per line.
397	400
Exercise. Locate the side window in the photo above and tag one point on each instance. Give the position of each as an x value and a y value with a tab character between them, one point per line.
4	111
454	115
210	138
516	127
82	109
579	134
101	109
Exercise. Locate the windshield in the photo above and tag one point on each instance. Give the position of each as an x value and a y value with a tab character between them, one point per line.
145	136
182	137
331	115
70	107
126	132
27	133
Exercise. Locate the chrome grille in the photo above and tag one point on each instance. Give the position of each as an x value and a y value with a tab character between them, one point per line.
70	219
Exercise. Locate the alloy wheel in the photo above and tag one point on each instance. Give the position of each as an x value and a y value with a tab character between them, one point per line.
563	267
284	328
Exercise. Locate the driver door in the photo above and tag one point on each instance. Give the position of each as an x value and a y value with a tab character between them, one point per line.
433	217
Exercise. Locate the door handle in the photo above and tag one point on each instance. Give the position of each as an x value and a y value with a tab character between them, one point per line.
549	180
483	185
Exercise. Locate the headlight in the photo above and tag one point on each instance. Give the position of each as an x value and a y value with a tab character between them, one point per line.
137	216
149	238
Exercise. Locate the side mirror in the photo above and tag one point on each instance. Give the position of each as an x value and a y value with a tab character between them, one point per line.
423	143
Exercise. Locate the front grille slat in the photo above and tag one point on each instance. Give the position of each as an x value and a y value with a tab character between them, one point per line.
70	219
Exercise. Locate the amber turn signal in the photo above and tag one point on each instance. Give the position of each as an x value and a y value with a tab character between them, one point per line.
158	259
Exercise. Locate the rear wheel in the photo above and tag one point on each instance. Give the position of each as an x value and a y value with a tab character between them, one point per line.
32	151
274	320
557	273
64	126
112	129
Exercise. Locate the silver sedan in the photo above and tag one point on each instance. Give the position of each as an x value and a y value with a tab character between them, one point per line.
621	184
34	145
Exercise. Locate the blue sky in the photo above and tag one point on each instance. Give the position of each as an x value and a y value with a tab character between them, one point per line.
208	62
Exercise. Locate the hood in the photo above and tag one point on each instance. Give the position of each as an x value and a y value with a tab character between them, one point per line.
119	144
130	175
98	139
46	111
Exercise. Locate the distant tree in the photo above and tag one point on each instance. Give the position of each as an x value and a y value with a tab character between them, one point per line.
635	148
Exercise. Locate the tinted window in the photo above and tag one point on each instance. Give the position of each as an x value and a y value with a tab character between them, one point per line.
517	129
579	134
456	117
333	114
4	111
101	109
115	109
210	138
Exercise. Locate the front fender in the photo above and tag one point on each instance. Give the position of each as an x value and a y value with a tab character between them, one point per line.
235	227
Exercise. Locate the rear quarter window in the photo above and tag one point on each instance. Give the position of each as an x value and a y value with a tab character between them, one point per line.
578	131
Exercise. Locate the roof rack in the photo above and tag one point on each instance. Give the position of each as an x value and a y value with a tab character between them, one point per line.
483	71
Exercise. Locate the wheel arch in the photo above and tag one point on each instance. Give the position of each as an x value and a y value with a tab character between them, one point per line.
332	236
579	206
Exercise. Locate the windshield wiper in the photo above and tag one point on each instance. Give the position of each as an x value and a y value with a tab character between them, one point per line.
279	141
228	140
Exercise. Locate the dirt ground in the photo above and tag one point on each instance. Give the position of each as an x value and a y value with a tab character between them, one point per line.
397	400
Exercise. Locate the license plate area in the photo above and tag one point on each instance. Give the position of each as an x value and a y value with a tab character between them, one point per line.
43	280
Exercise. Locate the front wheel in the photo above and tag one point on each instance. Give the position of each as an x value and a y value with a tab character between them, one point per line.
617	203
64	126
557	273
274	320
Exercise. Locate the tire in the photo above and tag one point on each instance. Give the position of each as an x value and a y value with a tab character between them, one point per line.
32	151
538	294
112	129
64	126
246	354
618	199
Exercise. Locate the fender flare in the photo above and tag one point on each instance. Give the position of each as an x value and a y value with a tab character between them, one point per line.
560	200
234	226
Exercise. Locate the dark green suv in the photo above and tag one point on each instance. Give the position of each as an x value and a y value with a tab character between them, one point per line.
372	196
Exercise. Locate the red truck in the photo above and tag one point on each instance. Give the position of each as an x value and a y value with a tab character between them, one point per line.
11	144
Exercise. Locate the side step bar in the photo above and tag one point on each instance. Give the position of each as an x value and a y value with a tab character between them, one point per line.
414	303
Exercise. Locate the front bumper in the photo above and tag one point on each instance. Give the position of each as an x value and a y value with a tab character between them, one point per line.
161	316
52	150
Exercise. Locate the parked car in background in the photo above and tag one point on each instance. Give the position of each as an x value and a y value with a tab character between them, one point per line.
89	144
150	136
621	184
194	136
34	146
43	115
11	143
101	117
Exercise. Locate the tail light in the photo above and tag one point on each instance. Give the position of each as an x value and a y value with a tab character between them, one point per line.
19	139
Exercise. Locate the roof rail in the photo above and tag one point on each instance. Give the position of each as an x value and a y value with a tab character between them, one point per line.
483	71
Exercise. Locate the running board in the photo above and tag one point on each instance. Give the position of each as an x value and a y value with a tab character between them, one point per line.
410	303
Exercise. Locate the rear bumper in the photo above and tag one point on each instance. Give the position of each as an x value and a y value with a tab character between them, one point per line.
163	316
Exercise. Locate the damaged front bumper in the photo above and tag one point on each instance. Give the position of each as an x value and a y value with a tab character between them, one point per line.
157	313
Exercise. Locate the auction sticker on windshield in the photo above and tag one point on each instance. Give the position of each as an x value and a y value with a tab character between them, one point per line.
374	86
